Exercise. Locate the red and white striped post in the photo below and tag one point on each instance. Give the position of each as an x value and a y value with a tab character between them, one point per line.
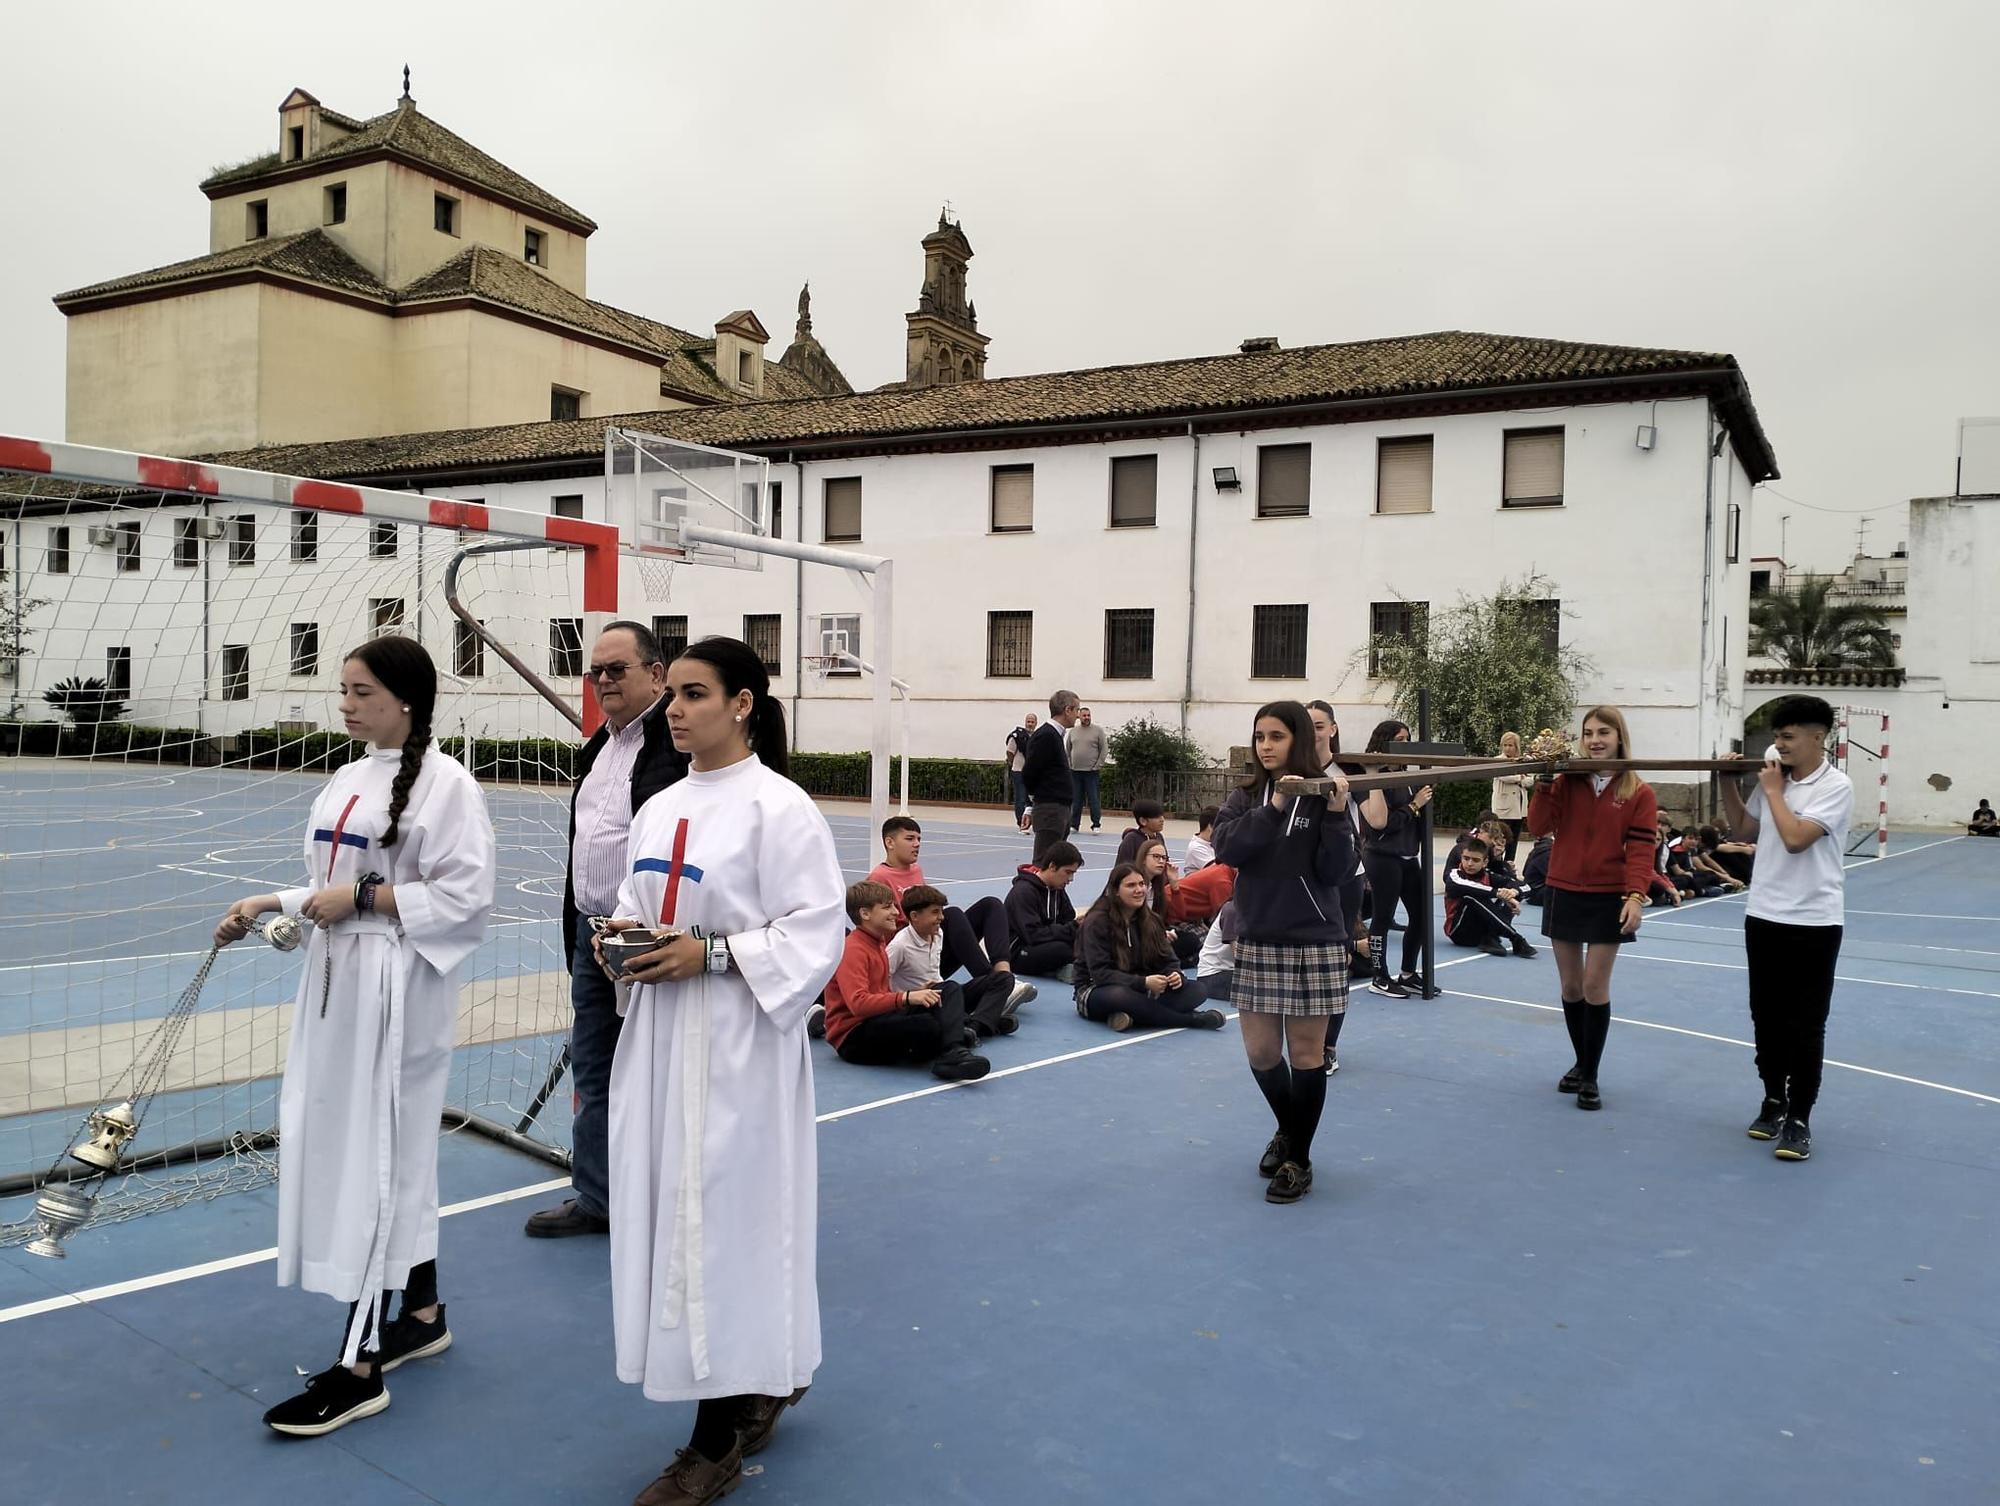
1882	794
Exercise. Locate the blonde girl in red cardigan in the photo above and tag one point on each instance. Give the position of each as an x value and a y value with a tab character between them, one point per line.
1605	827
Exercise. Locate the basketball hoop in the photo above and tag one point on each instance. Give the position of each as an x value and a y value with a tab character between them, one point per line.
656	576
819	666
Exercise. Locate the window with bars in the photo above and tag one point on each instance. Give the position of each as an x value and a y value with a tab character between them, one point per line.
128	547
235	672
566	647
672	633
1010	645
842	499
55	559
305	648
1013	499
1135	491
1543	619
385	615
118	670
763	631
381	540
468	650
305	537
1128	643
187	543
1534	468
533	248
564	404
243	539
1278	642
1394	619
1284	480
1403	474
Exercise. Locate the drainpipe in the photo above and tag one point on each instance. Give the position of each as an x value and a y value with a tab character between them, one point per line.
798	593
20	629
1194	516
1707	582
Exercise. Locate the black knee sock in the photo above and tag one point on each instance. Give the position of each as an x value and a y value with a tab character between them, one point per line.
1308	1099
419	1290
1597	1027
1276	1083
1333	1030
715	1422
1573	1016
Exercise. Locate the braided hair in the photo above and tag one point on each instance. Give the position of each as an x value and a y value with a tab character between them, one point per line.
738	667
406	672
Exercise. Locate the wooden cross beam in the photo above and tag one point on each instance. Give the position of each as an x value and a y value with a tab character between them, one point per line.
1446	770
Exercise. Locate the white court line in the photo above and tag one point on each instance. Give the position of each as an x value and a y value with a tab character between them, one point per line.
1737	967
1730	938
1911	915
1727	1040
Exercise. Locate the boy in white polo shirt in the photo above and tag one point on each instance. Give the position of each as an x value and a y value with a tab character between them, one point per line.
1791	936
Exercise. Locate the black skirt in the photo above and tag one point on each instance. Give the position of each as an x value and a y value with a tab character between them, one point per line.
1592	919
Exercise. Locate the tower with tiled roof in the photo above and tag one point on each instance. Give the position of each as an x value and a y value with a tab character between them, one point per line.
943	340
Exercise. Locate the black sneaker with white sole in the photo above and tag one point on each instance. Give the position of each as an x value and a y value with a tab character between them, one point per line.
1794	1142
816	1022
332	1399
1770	1120
405	1338
1388	987
1332	1061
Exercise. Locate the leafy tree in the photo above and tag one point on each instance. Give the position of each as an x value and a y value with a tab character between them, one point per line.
1491	663
1142	748
14	630
86	702
1803	629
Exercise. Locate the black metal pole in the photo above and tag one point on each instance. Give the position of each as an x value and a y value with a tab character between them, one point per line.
1430	956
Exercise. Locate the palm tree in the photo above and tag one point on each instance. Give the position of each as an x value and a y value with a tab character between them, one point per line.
1803	629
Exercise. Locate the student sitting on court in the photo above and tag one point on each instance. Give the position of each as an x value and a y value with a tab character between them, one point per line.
1201	846
1149	819
1475	913
1677	863
1983	823
871	1022
916	963
1726	862
1216	971
1041	917
1126	971
975	938
1535	871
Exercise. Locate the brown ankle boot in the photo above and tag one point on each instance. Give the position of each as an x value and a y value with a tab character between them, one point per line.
692	1480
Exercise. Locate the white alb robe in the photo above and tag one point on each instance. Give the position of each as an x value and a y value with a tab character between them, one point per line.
714	1162
365	1081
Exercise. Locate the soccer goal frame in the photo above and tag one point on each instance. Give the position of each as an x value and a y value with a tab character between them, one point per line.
1845	744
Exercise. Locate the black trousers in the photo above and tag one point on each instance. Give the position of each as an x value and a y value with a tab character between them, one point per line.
976	937
1515	826
1170	1008
1043	959
1791	993
1390	879
908	1033
1475	922
1050	821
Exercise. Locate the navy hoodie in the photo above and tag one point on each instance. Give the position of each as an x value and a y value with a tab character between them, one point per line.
1037	914
1290	860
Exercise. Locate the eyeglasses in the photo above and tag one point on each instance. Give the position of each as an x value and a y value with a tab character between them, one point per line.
607	671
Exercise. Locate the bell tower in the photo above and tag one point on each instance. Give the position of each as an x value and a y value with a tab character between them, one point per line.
944	343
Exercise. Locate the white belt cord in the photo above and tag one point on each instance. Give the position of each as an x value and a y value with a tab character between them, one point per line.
685	1260
371	1311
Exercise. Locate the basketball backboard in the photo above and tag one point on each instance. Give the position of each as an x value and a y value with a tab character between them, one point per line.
655	488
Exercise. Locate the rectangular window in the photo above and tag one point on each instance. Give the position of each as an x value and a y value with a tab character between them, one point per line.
336	204
841	634
1135	491
777	510
1278	642
257	220
305	537
305	648
295	138
565	404
531	248
566	507
385	615
235	672
243	539
1393	619
762	633
1284	480
56	559
1013	499
673	635
381	540
1403	474
746	370
750	505
1128	643
1735	535
118	670
468	650
128	548
1543	620
1010	645
566	647
842	501
187	542
444	213
1534	468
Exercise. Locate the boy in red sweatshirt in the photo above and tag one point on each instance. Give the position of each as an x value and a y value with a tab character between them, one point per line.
977	939
872	1024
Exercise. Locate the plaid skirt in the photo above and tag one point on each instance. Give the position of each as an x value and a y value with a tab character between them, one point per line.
1290	980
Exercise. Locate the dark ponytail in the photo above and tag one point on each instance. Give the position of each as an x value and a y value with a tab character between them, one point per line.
407	673
738	667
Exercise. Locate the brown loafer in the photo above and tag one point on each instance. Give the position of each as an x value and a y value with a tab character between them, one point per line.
760	1420
692	1480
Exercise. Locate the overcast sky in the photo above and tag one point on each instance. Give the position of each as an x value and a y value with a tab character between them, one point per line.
1808	186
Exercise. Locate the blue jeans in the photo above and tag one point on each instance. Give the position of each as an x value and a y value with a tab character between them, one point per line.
593	1039
1084	785
1020	786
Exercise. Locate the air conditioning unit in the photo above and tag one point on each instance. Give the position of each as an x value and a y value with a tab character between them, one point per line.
210	528
103	535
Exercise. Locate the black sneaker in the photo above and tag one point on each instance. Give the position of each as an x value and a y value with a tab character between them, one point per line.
1492	949
1794	1142
1414	982
1388	987
960	1065
1332	1062
1292	1182
816	1022
1276	1154
332	1399
1523	947
1570	1081
1587	1096
1206	1019
1769	1122
1006	1025
405	1338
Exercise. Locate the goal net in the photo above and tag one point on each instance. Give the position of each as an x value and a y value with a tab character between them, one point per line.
170	638
1861	750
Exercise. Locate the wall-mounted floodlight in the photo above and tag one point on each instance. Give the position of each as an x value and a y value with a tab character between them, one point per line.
1645	437
1226	480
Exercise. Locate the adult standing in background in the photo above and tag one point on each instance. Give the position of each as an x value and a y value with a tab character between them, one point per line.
625	763
1017	761
1085	745
1510	794
1046	774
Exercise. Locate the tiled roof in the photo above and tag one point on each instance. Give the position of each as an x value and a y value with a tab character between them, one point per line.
1825	676
1447	365
310	255
407	132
